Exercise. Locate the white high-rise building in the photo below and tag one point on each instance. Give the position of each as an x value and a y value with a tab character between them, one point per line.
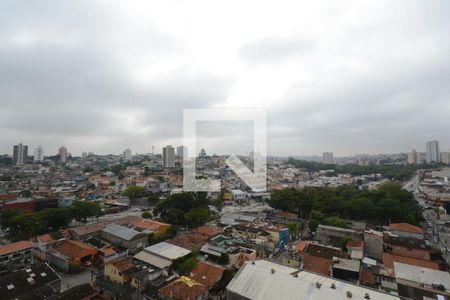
328	158
433	154
414	157
62	152
168	156
182	150
38	154
127	155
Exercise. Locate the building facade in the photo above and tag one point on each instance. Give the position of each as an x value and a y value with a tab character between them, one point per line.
168	157
433	154
38	154
20	154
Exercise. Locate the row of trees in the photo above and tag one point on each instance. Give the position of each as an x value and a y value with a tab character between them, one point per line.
28	224
389	203
391	171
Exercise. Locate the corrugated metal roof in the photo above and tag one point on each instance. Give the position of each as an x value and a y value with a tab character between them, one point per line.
421	275
121	231
167	250
153	259
257	281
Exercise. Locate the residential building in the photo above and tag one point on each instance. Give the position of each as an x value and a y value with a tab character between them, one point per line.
161	255
373	244
72	252
168	157
15	256
433	154
419	283
128	238
266	280
182	151
126	272
330	235
414	157
406	230
404	246
184	288
445	157
20	154
62	152
127	155
38	154
328	158
36	282
346	269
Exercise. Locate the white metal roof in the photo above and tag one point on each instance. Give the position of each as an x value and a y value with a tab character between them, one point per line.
421	275
153	259
257	281
121	231
167	250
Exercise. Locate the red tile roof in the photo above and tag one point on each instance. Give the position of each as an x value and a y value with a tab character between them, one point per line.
142	223
14	247
208	231
355	244
287	215
389	259
8	196
207	273
300	247
317	264
75	249
122	264
405	227
183	288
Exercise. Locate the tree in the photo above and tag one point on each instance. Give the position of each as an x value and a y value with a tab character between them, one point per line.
336	222
8	215
197	216
147	215
152	199
293	228
186	266
315	218
81	210
25	193
134	192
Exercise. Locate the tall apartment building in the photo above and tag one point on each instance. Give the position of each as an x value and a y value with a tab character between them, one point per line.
433	154
38	154
168	157
62	152
414	157
20	154
328	158
127	155
181	151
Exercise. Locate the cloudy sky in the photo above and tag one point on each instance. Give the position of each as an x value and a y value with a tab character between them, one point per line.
341	76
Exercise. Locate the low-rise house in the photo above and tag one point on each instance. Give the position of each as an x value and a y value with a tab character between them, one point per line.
373	244
317	258
264	280
240	255
161	255
403	246
418	282
346	269
71	253
406	230
106	252
35	282
127	272
15	255
330	235
149	226
355	249
128	238
184	288
80	292
43	243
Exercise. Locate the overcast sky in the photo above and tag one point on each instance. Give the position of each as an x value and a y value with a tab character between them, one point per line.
341	76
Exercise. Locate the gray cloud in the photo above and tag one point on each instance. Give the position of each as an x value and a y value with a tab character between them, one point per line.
103	77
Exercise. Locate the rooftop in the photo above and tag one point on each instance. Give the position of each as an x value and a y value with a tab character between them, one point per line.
74	249
122	232
390	259
29	283
422	275
167	250
405	227
264	280
14	247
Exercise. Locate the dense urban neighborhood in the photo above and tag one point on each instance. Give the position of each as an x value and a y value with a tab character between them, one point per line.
122	227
